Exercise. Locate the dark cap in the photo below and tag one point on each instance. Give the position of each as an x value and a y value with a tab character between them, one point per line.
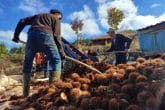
53	11
110	30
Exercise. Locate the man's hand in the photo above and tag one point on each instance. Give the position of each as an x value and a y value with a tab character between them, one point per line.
15	40
126	52
63	57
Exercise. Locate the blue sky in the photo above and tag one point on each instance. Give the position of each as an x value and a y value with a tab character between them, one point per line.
138	14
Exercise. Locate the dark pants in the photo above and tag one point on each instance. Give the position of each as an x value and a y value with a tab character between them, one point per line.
46	68
41	42
121	58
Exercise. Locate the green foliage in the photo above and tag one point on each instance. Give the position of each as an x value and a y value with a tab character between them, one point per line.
17	53
77	25
115	16
86	42
18	50
3	50
14	50
16	57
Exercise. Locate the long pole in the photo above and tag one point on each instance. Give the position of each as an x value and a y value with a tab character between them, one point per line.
83	64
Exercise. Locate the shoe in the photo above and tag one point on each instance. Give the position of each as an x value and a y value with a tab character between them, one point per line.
54	75
26	84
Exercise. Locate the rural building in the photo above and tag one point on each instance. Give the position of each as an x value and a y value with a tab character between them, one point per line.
101	40
152	38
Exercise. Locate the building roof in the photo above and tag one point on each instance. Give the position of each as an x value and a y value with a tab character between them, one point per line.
104	37
155	27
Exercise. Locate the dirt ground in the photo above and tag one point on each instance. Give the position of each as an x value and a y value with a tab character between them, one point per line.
12	86
10	81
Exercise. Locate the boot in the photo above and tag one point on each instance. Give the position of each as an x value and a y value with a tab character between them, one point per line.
45	74
26	84
54	75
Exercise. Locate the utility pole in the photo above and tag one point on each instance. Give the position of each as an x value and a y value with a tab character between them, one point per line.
76	26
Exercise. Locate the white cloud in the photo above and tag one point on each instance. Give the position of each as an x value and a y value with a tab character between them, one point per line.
139	21
90	26
155	5
56	4
8	35
53	3
132	19
70	35
67	32
126	6
6	38
33	6
86	13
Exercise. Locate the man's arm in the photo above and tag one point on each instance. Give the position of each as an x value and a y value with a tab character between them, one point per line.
21	24
57	37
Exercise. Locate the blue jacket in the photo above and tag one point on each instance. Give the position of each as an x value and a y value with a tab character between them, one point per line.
119	43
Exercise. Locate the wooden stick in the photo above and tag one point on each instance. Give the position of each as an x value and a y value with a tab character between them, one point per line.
23	42
83	64
114	52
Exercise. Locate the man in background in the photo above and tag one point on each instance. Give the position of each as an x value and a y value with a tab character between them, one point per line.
119	43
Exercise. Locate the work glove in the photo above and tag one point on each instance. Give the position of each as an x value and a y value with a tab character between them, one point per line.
15	39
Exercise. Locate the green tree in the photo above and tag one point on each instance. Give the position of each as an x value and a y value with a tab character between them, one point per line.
3	50
14	50
86	42
21	50
76	26
115	16
18	50
17	54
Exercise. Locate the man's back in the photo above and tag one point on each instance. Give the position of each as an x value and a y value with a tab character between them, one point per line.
44	22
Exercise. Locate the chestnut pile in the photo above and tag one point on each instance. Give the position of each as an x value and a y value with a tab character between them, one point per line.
137	85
